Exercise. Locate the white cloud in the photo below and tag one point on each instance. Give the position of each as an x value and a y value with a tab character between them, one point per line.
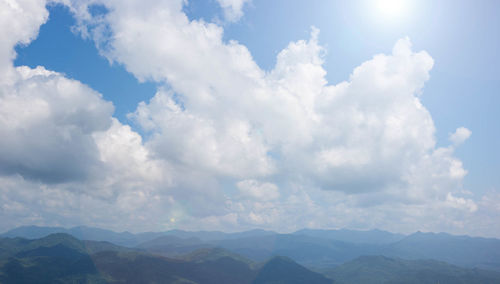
233	9
15	31
460	135
47	122
368	134
228	145
259	191
63	158
461	203
224	147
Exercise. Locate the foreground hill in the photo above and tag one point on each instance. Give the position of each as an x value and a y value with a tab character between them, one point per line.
380	269
61	258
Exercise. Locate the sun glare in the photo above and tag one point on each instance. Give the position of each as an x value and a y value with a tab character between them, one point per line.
390	9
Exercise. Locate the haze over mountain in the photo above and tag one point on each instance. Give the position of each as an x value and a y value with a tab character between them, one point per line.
62	258
312	248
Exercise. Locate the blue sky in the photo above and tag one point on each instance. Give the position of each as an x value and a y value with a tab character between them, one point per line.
458	89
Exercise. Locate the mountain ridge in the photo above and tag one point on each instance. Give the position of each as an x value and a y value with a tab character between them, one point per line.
61	258
313	248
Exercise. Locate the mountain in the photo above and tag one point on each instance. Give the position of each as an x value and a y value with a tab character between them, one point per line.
32	232
10	247
459	250
145	268
380	269
207	236
61	258
126	238
210	254
173	246
352	236
82	233
321	249
306	250
312	248
57	258
284	270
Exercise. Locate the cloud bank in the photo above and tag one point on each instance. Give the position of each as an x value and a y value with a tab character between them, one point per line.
229	145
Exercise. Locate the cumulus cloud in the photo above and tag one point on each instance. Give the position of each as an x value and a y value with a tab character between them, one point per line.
460	135
368	134
259	191
61	152
233	9
228	145
47	123
223	147
46	120
461	203
14	31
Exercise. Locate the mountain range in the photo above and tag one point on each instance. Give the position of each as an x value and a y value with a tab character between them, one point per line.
61	258
344	256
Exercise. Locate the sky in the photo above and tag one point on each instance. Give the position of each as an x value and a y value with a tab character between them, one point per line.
240	114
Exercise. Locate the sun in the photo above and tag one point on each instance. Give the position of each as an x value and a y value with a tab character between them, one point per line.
392	8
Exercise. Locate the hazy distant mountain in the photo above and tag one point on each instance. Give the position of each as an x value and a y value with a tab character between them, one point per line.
173	246
380	269
458	250
83	233
320	249
353	236
306	250
216	235
312	248
32	232
126	238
